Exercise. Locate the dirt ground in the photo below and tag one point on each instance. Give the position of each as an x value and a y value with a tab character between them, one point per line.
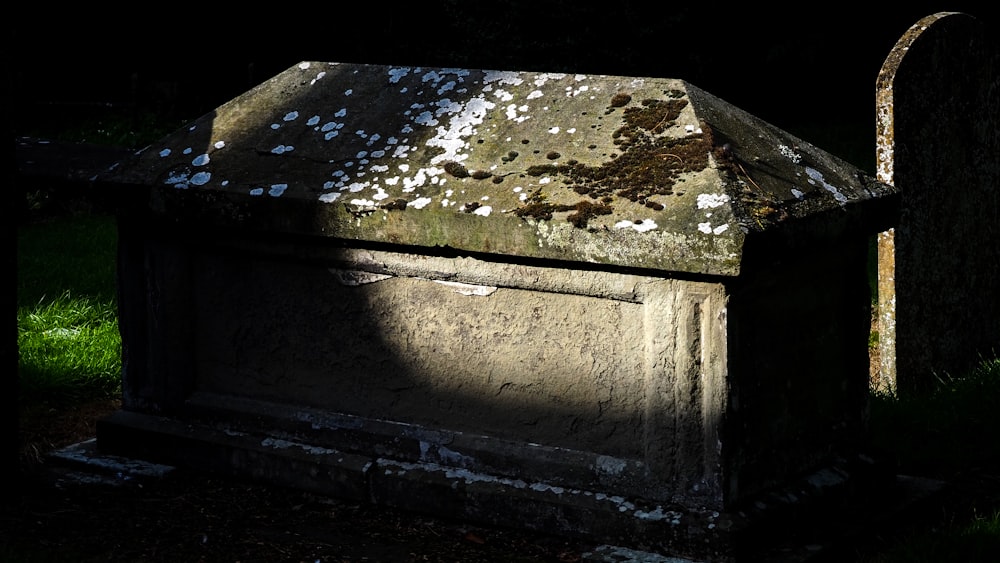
54	516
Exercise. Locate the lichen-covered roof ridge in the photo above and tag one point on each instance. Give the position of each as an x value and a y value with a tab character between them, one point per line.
631	171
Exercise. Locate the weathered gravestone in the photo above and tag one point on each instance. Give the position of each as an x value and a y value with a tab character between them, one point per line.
615	307
938	109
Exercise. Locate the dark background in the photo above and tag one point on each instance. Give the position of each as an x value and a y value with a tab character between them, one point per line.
807	67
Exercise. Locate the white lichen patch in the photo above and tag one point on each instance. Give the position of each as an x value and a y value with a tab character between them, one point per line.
610	465
178	179
816	177
512	113
445	106
573	92
641	226
708	229
436	453
711	201
505	77
790	153
363	203
623	505
659	513
279	444
201	178
453	139
546	488
420	203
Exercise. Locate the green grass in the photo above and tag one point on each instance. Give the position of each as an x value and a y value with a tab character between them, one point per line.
977	541
944	433
954	427
67	328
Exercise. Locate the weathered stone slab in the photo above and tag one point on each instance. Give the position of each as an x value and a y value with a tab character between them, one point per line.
938	140
641	172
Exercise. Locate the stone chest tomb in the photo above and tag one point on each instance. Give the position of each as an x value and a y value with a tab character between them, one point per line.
598	305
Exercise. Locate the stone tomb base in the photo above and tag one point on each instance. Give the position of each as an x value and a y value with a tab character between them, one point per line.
576	401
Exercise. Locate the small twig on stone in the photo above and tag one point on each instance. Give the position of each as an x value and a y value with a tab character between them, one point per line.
666	154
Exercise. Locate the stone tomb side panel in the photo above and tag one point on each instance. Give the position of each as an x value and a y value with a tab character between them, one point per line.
557	369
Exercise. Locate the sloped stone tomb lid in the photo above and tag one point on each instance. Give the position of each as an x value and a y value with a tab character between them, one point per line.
626	171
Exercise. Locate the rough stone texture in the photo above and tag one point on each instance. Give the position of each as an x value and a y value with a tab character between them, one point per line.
674	398
938	140
642	172
551	368
404	328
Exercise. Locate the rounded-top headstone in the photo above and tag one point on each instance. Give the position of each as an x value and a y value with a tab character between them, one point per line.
938	111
